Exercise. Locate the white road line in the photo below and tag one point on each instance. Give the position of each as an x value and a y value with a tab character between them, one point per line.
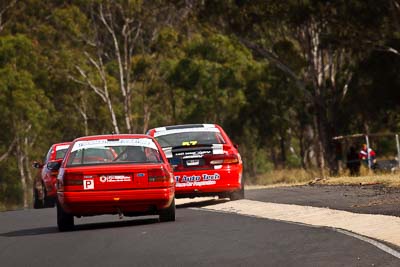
372	242
365	227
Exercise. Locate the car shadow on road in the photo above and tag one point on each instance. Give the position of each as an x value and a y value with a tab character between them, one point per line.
80	227
200	204
31	232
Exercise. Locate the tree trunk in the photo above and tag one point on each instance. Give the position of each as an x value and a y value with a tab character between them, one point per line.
28	169
82	108
173	106
319	149
282	144
274	157
102	91
113	117
146	117
21	169
326	132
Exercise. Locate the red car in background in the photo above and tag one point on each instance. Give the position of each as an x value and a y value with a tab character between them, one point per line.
44	185
204	160
125	174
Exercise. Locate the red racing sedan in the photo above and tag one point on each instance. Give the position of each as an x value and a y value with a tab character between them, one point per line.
204	160
125	174
44	185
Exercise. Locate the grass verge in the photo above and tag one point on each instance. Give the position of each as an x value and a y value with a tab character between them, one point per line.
389	180
284	177
4	207
293	177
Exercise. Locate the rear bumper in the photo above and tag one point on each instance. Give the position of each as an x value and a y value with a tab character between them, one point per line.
146	201
208	182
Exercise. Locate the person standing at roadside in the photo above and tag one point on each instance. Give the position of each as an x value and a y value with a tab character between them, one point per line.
367	155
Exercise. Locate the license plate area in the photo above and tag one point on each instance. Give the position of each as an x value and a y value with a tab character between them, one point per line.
116	178
193	162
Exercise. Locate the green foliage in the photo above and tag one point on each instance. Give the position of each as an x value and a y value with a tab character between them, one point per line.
293	161
22	100
70	21
10	188
212	69
17	51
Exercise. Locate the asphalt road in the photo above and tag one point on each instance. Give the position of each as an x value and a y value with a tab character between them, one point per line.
369	199
197	238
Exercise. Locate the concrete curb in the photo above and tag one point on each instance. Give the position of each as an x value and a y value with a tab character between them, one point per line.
381	227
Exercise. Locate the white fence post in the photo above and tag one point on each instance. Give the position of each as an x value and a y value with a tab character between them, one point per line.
368	155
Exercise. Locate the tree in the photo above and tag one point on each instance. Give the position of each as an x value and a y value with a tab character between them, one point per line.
24	105
326	35
5	8
212	68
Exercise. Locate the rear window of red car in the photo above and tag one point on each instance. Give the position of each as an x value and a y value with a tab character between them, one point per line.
113	151
196	136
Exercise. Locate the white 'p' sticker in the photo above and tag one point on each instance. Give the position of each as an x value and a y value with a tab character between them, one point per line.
88	184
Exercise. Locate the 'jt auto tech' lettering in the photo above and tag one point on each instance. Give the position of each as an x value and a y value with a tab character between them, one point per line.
197	178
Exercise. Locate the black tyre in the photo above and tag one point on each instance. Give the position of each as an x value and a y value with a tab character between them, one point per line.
236	195
49	202
65	221
37	202
168	214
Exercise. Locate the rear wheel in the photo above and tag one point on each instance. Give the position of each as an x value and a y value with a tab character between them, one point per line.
37	202
236	195
65	221
46	201
168	214
49	202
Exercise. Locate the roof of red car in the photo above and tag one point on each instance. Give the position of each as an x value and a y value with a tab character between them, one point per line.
112	136
61	144
185	126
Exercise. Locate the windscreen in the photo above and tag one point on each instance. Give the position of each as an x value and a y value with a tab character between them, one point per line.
186	138
61	150
61	153
114	151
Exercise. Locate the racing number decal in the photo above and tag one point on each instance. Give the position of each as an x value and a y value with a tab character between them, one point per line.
189	143
88	184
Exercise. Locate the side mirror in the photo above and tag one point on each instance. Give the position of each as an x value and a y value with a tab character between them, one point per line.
54	165
37	165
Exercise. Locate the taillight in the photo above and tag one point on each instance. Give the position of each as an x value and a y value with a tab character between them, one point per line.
159	175
216	161
72	179
224	159
231	159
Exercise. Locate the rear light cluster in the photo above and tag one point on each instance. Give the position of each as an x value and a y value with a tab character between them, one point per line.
223	159
73	179
160	175
70	180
